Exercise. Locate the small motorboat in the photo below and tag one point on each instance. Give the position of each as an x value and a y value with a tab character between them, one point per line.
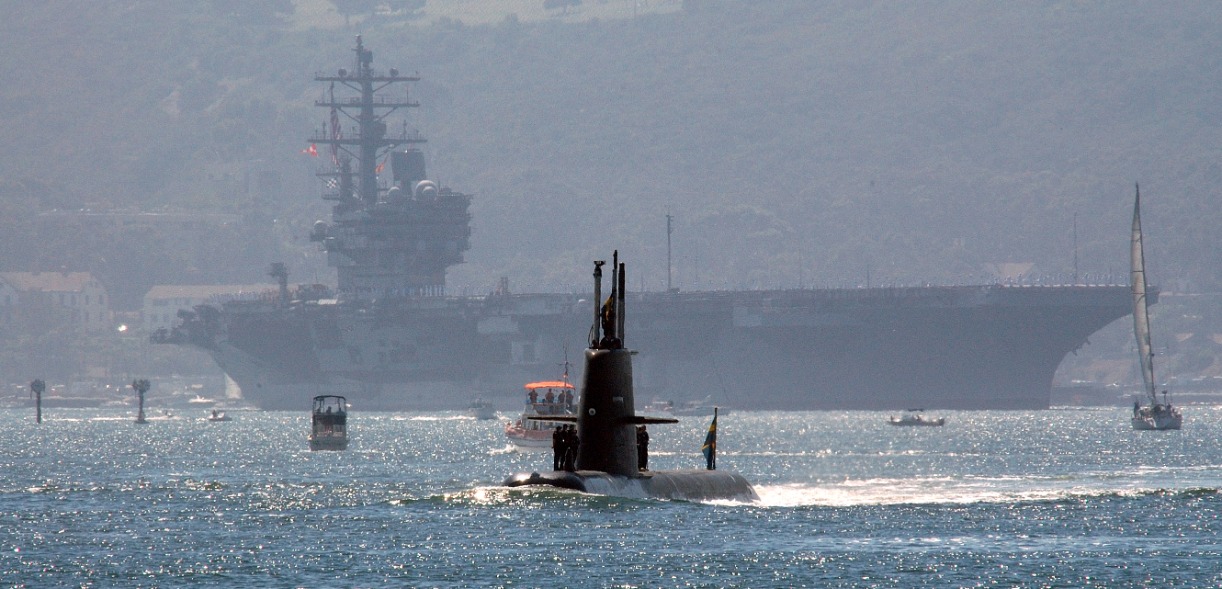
914	417
701	407
659	408
481	409
218	416
329	423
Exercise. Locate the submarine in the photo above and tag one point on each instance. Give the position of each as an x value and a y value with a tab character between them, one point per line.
606	460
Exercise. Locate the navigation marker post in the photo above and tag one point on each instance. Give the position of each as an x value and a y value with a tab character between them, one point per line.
142	386
37	387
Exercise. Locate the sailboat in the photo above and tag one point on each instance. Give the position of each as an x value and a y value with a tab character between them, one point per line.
1154	415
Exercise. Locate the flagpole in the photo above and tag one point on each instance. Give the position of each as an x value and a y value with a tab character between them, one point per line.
710	444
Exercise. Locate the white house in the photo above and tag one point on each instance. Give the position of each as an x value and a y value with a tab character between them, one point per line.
79	292
8	300
163	302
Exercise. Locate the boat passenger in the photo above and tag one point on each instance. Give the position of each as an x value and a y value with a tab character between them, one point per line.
557	448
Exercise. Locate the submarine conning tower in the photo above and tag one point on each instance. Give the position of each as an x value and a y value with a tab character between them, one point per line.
606	418
606	460
605	425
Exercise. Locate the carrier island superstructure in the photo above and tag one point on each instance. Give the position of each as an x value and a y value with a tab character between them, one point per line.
389	337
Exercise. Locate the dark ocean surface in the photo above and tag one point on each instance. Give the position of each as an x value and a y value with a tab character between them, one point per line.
1058	498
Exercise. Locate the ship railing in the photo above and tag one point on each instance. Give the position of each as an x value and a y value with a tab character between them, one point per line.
374	75
848	298
381	100
254	296
352	136
545	408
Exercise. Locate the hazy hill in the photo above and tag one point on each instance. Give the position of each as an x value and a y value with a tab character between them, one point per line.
795	142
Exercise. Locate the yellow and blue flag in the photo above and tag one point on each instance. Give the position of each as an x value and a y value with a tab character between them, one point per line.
710	444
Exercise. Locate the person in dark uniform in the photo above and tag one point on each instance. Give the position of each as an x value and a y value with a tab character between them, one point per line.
570	449
642	448
557	447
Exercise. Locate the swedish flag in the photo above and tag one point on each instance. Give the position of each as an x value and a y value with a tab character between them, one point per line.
710	444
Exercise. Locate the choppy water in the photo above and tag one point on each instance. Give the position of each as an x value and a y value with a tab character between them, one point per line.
1060	498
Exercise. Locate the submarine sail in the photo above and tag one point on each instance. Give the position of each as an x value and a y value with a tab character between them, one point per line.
607	458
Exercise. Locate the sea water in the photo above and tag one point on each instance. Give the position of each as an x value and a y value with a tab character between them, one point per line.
1058	498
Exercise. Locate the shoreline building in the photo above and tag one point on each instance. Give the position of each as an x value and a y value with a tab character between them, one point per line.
33	295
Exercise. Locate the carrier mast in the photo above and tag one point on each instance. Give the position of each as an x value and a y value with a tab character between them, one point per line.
389	237
369	109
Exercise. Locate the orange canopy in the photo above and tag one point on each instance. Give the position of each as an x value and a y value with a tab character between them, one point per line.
549	384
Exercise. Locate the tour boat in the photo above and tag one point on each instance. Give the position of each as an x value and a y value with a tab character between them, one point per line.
543	399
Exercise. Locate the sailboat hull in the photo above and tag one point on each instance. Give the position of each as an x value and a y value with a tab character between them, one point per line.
1162	420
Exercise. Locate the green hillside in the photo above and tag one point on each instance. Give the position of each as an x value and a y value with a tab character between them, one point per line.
796	143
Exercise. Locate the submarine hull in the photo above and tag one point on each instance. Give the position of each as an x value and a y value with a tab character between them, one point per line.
681	485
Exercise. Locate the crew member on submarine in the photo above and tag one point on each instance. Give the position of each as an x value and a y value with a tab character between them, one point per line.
607	460
642	448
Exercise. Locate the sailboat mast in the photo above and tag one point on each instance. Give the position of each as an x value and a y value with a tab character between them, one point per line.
1141	313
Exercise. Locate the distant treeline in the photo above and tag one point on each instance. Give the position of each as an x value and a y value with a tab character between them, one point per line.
795	143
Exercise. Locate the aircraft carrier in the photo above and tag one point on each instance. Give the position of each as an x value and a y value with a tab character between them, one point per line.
388	337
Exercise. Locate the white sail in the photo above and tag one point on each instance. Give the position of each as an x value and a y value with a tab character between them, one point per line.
1141	312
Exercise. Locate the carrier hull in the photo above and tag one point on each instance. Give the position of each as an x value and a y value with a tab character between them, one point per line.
981	347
